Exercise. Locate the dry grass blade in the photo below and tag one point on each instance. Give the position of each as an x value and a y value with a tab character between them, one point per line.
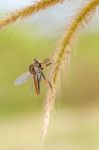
43	4
60	55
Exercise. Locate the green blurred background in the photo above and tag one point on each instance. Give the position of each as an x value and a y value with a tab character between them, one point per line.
75	122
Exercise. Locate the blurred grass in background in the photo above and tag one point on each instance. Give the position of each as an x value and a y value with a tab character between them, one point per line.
75	125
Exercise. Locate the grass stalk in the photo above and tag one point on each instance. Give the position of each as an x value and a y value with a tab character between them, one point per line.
63	50
30	10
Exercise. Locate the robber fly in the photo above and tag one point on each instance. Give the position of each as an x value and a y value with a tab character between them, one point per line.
36	72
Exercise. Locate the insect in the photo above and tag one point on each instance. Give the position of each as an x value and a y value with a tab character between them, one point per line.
36	72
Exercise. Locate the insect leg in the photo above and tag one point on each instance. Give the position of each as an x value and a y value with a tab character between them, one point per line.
48	82
46	63
46	60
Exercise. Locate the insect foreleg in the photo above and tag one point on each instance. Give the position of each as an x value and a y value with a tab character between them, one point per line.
46	63
46	60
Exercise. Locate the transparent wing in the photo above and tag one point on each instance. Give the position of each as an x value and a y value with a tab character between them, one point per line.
23	78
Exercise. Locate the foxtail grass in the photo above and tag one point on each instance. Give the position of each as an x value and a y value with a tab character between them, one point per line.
61	54
30	10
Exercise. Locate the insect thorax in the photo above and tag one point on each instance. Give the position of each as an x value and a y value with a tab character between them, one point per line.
35	68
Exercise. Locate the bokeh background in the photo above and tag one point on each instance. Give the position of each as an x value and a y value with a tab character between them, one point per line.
75	122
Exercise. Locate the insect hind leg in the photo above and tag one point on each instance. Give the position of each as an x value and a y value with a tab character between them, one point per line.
47	82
